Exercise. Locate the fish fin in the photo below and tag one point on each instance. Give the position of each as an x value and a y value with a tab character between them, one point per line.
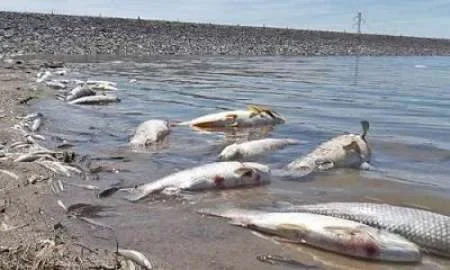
324	164
352	146
293	232
365	128
258	109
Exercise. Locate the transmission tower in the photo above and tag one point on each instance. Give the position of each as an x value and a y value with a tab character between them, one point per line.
359	20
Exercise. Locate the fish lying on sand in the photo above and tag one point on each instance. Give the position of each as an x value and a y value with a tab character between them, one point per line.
96	99
150	132
79	92
329	233
218	175
251	149
429	230
136	257
348	150
253	116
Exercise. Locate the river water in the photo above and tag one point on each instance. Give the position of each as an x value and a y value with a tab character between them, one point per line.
405	99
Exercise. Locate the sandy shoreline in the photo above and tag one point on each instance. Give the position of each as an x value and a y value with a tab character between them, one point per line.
33	229
30	34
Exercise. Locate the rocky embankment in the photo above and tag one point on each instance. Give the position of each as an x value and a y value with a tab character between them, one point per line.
31	34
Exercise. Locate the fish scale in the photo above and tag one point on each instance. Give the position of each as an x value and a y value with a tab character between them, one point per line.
429	230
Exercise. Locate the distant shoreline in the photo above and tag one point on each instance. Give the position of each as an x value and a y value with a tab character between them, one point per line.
47	34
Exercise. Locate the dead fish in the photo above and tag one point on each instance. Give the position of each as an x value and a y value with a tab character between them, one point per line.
327	233
55	84
43	76
61	72
97	99
348	150
11	174
102	85
79	92
94	82
218	175
33	156
36	124
88	187
136	257
253	116
150	132
251	149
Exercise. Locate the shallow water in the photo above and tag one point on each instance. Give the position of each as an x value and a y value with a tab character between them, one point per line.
406	101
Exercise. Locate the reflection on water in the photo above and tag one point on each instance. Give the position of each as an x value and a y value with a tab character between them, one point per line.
320	97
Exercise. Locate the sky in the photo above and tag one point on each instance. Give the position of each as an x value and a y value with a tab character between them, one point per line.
425	18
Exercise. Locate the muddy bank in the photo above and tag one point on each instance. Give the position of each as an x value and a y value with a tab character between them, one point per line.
33	228
31	34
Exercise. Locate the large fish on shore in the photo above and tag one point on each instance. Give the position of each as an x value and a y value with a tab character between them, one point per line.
150	132
251	149
348	150
218	175
253	116
429	230
324	232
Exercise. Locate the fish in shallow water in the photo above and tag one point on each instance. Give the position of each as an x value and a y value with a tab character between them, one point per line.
218	175
79	92
329	233
96	99
251	149
253	116
348	150
429	230
150	132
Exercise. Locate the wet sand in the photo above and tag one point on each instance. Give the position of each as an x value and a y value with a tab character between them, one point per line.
29	207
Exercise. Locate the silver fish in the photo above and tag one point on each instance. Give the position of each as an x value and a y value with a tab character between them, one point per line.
216	175
348	150
55	84
136	257
149	132
251	149
97	99
328	233
253	116
429	230
78	92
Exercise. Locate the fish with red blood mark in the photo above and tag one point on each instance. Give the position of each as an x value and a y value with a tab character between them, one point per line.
429	230
328	233
253	116
228	174
218	180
